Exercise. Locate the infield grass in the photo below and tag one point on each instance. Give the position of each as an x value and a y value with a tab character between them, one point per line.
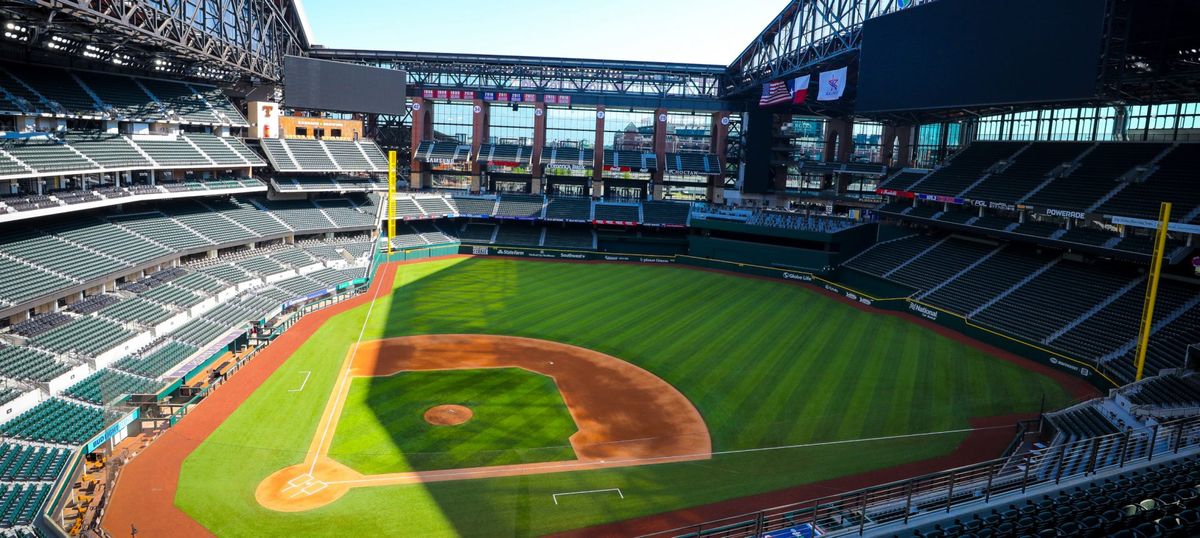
773	368
519	417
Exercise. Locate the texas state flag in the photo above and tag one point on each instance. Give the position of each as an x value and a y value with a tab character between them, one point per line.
799	88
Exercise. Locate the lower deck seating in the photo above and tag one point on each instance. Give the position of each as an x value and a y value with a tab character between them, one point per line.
55	421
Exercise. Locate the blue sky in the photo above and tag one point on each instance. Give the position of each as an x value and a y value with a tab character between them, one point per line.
691	31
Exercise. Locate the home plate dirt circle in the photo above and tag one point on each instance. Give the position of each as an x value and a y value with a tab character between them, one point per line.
448	415
624	415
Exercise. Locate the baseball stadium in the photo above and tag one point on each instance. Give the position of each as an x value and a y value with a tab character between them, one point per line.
902	268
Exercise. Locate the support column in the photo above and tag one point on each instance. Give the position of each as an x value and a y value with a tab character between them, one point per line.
479	134
779	171
720	139
887	145
660	153
904	145
537	185
422	129
598	155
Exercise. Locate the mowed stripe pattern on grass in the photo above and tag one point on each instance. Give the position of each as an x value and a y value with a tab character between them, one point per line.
519	417
767	364
811	369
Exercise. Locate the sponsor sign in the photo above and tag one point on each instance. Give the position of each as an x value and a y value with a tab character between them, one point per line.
924	311
787	275
994	205
896	193
1083	371
616	222
1153	224
940	198
111	431
1065	213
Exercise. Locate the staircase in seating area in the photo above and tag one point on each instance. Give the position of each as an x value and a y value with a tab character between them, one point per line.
1071	166
1094	309
1153	164
914	258
973	265
1014	287
198	149
856	256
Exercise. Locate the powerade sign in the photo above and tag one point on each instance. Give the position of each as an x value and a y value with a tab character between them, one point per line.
111	431
1066	214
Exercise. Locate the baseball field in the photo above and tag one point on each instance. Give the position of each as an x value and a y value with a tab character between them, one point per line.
495	397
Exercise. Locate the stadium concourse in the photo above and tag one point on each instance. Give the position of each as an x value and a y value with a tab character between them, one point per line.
254	286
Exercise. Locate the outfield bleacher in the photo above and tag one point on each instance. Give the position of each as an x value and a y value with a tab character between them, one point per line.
519	234
569	209
520	206
665	213
616	213
569	237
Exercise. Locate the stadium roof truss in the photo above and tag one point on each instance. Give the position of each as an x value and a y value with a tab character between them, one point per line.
210	39
600	78
806	34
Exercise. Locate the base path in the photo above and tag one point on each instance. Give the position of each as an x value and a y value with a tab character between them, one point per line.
145	491
625	415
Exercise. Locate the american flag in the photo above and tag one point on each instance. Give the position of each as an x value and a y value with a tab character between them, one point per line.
774	93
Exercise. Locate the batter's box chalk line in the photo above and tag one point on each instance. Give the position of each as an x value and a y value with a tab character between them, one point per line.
304	484
557	495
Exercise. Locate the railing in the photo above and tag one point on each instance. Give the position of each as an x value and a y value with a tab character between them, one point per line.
856	512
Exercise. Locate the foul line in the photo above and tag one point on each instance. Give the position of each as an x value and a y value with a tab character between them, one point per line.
682	458
307	374
555	496
346	373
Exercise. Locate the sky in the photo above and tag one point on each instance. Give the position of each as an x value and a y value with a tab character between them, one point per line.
687	31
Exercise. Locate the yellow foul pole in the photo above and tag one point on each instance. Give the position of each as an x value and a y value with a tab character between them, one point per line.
1160	245
391	213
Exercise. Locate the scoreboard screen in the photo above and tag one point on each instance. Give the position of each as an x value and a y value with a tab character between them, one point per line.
342	87
963	53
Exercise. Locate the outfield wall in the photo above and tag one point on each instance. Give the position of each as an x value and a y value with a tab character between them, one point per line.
901	301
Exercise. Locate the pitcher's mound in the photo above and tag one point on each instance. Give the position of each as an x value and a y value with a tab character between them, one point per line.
448	415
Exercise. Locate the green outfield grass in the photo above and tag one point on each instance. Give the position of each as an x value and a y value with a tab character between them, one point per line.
519	417
767	364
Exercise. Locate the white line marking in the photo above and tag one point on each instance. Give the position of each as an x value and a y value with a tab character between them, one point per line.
559	466
306	373
555	496
346	375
